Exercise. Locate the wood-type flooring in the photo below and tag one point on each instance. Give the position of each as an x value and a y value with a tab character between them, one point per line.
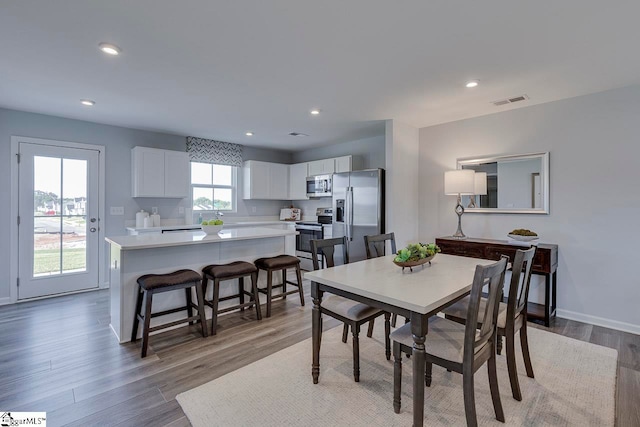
59	355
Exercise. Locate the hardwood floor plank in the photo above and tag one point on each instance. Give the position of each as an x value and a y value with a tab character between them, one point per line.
605	337
164	414
47	404
627	408
120	413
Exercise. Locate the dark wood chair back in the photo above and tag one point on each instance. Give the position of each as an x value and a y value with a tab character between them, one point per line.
493	276
327	248
375	245
520	281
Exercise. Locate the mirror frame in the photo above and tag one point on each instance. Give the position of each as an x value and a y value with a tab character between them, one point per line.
544	157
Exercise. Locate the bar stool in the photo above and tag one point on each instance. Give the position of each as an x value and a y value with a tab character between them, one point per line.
280	262
235	270
151	284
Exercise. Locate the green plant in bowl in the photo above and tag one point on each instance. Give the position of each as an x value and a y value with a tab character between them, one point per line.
416	252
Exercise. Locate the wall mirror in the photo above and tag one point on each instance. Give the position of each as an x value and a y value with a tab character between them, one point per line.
515	184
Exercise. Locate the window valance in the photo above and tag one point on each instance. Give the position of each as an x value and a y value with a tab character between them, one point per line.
217	152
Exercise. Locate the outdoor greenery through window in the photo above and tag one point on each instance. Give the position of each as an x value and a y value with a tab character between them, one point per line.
213	187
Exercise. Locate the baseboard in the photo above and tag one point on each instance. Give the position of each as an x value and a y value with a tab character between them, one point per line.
599	321
5	301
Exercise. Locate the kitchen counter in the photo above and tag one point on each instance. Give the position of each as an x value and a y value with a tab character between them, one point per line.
134	256
154	240
227	225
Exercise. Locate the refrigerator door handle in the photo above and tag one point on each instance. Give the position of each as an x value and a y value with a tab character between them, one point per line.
350	225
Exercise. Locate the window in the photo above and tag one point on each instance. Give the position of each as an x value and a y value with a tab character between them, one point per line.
213	187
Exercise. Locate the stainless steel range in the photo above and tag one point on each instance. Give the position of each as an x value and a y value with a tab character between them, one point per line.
309	231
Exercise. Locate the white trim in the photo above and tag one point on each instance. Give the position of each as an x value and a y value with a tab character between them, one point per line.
5	301
599	321
13	268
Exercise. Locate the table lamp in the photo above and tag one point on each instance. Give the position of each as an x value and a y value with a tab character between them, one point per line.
459	182
479	188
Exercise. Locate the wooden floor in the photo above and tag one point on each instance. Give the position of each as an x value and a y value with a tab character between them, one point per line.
60	356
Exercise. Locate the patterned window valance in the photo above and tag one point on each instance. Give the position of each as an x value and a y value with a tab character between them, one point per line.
210	151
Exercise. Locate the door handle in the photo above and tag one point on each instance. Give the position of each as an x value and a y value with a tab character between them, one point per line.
349	213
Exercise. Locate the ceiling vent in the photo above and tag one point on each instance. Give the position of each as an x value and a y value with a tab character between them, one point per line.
510	100
297	134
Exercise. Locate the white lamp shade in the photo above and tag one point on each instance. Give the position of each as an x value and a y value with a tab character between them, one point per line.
480	188
459	181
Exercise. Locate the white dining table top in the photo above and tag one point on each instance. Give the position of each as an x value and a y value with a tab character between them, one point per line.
423	290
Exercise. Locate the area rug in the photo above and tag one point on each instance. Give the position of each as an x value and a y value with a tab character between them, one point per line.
574	385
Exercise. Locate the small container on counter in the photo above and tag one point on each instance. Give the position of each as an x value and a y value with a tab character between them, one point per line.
140	216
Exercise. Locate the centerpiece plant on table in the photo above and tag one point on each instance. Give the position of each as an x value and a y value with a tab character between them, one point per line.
416	252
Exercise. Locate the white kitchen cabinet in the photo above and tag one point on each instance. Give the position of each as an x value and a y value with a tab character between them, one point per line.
321	167
264	180
159	173
298	181
343	164
176	174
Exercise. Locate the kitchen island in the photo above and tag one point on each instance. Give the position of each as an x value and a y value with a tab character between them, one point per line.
134	256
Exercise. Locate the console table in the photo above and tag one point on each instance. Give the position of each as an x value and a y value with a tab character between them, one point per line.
545	263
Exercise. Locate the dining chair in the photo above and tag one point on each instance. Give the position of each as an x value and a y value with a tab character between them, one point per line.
352	313
375	246
512	316
460	348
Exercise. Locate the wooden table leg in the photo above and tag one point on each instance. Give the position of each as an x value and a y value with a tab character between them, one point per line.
419	325
316	330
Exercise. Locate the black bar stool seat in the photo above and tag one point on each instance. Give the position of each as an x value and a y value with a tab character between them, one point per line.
151	284
234	270
276	263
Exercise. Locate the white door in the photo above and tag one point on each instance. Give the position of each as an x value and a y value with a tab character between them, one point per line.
58	242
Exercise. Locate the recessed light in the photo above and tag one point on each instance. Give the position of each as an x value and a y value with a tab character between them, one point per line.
110	49
315	111
88	102
472	83
249	133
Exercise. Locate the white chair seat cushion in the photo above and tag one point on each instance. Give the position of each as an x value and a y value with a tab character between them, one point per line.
347	308
444	340
459	310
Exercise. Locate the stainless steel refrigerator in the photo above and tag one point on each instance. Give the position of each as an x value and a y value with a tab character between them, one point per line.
358	209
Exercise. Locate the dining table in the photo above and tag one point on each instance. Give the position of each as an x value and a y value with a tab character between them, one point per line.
416	294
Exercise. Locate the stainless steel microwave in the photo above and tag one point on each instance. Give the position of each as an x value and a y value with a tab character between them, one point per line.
319	186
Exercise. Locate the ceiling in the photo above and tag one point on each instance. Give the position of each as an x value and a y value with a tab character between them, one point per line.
217	69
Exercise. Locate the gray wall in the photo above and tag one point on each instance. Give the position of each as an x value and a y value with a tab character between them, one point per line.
368	153
594	196
118	142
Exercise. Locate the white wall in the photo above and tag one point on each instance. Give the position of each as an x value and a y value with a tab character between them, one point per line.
118	142
594	195
402	186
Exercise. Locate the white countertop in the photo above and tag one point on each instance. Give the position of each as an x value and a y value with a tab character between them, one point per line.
197	226
146	241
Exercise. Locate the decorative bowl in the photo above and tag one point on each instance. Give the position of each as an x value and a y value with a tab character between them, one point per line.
523	238
212	229
411	264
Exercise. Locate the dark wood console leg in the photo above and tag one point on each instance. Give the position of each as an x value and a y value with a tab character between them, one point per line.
547	300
